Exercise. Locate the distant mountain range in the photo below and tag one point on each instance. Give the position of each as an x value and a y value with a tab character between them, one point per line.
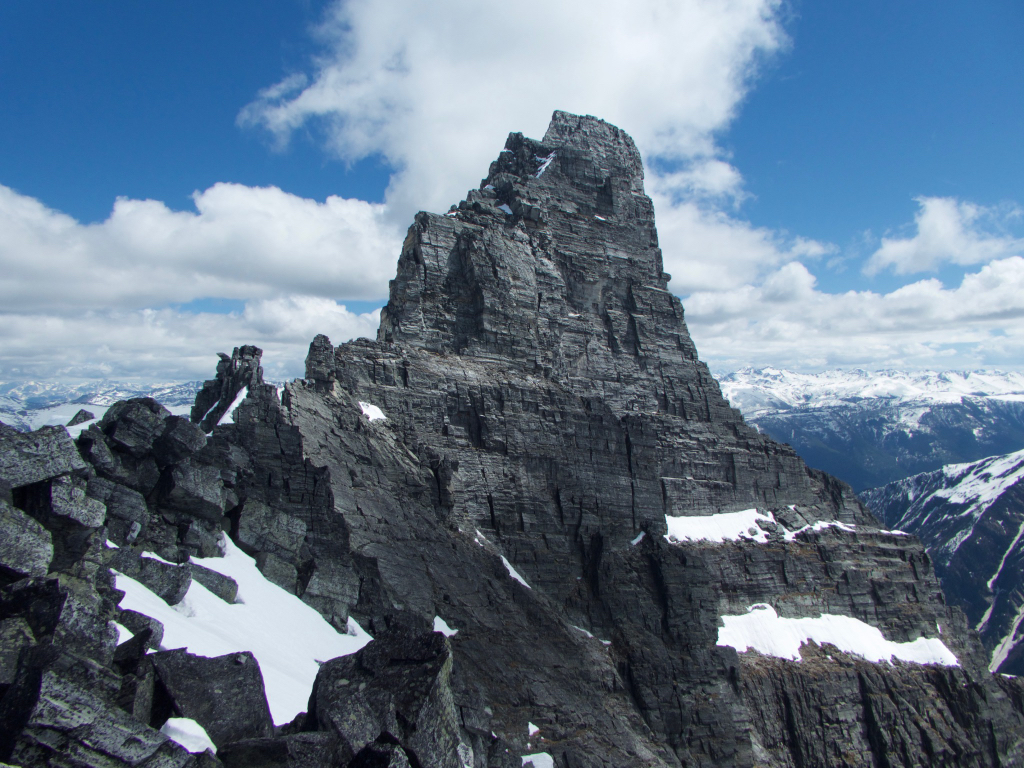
27	405
971	520
871	428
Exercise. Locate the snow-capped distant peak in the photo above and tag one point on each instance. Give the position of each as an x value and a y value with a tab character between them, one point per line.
759	390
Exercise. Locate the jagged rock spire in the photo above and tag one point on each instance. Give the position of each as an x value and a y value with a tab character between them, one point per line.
552	264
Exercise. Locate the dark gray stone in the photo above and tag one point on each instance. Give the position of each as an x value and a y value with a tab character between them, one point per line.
32	457
168	581
15	634
222	586
262	529
279	571
134	425
180	439
81	417
224	694
297	750
26	548
397	687
48	719
139	623
192	488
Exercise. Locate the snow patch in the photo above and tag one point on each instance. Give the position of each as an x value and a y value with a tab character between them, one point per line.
638	539
441	626
372	412
123	633
288	638
544	163
504	207
539	760
229	414
600	218
188	733
725	526
763	630
514	573
532	729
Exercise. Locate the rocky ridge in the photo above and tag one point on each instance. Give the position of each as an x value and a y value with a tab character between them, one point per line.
531	453
971	519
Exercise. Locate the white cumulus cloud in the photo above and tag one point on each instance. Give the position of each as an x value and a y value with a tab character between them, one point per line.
949	231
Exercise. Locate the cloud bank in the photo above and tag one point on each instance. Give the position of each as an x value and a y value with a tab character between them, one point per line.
433	90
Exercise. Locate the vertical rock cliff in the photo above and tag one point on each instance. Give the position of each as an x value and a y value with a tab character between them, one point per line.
532	460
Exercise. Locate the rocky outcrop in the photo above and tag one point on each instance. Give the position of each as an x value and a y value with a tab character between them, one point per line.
529	459
971	519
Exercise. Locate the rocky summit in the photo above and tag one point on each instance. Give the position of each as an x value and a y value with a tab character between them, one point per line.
567	548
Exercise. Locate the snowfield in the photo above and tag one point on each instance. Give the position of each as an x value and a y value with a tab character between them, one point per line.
763	630
288	638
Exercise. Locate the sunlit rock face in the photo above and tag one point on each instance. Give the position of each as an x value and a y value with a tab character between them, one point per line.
532	459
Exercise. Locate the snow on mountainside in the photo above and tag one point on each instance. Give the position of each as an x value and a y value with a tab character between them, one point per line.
28	405
760	391
872	428
971	519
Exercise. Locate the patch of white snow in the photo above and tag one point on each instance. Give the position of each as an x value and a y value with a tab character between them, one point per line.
188	733
638	539
544	163
763	630
372	412
504	207
725	526
539	760
441	626
532	729
514	573
123	633
288	638
229	414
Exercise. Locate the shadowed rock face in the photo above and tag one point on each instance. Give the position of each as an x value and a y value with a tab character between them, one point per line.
545	412
544	402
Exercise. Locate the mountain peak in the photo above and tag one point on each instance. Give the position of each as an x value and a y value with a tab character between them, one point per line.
553	263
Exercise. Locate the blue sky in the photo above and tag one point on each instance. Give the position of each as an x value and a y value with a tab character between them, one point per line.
817	149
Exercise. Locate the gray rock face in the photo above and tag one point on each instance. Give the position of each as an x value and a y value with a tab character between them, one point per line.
224	694
396	691
32	457
234	374
545	417
26	548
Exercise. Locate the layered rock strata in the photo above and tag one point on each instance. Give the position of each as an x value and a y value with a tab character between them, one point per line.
524	458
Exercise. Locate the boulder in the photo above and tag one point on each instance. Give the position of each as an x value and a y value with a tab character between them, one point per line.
134	425
15	634
139	623
192	488
263	529
26	548
222	586
81	417
127	513
32	457
55	717
180	439
224	694
396	689
168	581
